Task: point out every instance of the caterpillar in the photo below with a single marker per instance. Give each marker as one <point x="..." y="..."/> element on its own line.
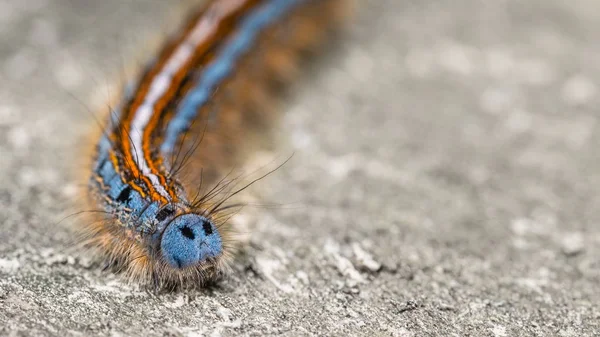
<point x="192" y="110"/>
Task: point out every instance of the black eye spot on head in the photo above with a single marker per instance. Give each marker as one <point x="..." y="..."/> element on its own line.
<point x="187" y="232"/>
<point x="164" y="213"/>
<point x="207" y="228"/>
<point x="124" y="195"/>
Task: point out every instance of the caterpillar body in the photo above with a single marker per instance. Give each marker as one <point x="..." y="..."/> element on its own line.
<point x="189" y="111"/>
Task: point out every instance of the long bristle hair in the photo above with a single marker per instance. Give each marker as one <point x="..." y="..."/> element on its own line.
<point x="242" y="109"/>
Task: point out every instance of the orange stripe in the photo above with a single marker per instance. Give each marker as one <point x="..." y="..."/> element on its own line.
<point x="225" y="27"/>
<point x="120" y="132"/>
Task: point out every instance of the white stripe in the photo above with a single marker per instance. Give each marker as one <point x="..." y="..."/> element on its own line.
<point x="161" y="83"/>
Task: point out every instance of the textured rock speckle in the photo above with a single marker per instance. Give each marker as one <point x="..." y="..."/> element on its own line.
<point x="444" y="182"/>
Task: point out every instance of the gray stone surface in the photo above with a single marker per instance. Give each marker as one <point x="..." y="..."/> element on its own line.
<point x="445" y="178"/>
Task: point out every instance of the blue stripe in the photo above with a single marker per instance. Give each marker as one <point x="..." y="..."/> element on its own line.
<point x="136" y="212"/>
<point x="216" y="72"/>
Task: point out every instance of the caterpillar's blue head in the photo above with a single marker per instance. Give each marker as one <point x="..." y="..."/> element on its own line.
<point x="190" y="239"/>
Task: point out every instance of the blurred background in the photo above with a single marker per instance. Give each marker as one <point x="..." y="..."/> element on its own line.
<point x="445" y="177"/>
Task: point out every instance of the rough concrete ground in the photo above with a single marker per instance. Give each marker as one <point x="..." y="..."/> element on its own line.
<point x="445" y="179"/>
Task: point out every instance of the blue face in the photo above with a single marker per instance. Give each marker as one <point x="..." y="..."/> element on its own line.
<point x="190" y="239"/>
